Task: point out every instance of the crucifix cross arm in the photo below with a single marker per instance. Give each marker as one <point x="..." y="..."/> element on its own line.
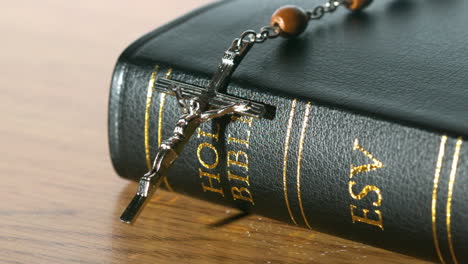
<point x="187" y="91"/>
<point x="238" y="109"/>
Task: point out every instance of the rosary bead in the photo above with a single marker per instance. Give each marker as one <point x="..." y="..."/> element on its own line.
<point x="291" y="20"/>
<point x="356" y="5"/>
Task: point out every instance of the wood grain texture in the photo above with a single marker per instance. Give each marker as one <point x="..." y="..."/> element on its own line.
<point x="59" y="196"/>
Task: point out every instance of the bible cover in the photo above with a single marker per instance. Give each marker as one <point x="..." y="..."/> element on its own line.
<point x="367" y="138"/>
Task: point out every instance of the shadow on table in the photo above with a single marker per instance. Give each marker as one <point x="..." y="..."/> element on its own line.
<point x="178" y="229"/>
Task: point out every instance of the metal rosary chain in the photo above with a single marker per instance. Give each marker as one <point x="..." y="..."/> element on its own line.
<point x="270" y="32"/>
<point x="265" y="33"/>
<point x="329" y="7"/>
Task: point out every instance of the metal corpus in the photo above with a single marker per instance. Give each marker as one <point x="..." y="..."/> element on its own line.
<point x="197" y="105"/>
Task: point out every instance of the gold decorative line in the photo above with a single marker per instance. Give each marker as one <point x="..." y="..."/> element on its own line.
<point x="299" y="160"/>
<point x="440" y="158"/>
<point x="453" y="175"/>
<point x="162" y="103"/>
<point x="168" y="74"/>
<point x="285" y="159"/>
<point x="149" y="96"/>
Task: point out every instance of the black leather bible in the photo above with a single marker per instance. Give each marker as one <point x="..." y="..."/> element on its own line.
<point x="367" y="138"/>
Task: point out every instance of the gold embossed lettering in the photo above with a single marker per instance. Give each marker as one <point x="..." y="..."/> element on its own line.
<point x="239" y="178"/>
<point x="245" y="142"/>
<point x="243" y="119"/>
<point x="377" y="164"/>
<point x="202" y="133"/>
<point x="237" y="155"/>
<point x="209" y="146"/>
<point x="211" y="178"/>
<point x="242" y="194"/>
<point x="365" y="219"/>
<point x="364" y="192"/>
<point x="239" y="158"/>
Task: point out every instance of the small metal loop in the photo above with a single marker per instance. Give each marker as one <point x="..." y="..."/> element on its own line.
<point x="254" y="37"/>
<point x="249" y="33"/>
<point x="263" y="35"/>
<point x="317" y="13"/>
<point x="273" y="32"/>
<point x="260" y="38"/>
<point x="329" y="7"/>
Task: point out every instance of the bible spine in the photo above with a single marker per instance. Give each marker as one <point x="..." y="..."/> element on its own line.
<point x="348" y="174"/>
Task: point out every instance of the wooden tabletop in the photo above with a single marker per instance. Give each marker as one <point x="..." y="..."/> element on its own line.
<point x="59" y="196"/>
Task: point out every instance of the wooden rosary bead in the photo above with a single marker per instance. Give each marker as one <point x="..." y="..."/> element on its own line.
<point x="356" y="5"/>
<point x="291" y="20"/>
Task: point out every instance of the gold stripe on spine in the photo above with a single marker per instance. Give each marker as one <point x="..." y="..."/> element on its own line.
<point x="168" y="74"/>
<point x="299" y="160"/>
<point x="443" y="141"/>
<point x="453" y="175"/>
<point x="149" y="96"/>
<point x="162" y="103"/>
<point x="285" y="159"/>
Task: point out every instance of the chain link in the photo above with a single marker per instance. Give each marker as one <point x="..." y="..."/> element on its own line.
<point x="270" y="32"/>
<point x="251" y="36"/>
<point x="329" y="7"/>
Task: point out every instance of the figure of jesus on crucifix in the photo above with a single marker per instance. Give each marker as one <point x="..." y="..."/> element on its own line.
<point x="192" y="115"/>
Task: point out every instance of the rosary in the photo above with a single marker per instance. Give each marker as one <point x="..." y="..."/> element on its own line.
<point x="201" y="104"/>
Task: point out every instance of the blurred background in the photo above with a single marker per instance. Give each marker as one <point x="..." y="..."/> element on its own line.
<point x="59" y="196"/>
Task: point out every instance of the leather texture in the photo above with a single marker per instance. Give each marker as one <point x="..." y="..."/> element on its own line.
<point x="401" y="60"/>
<point x="392" y="78"/>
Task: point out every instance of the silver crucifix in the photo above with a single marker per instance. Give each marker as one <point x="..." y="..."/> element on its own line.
<point x="197" y="105"/>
